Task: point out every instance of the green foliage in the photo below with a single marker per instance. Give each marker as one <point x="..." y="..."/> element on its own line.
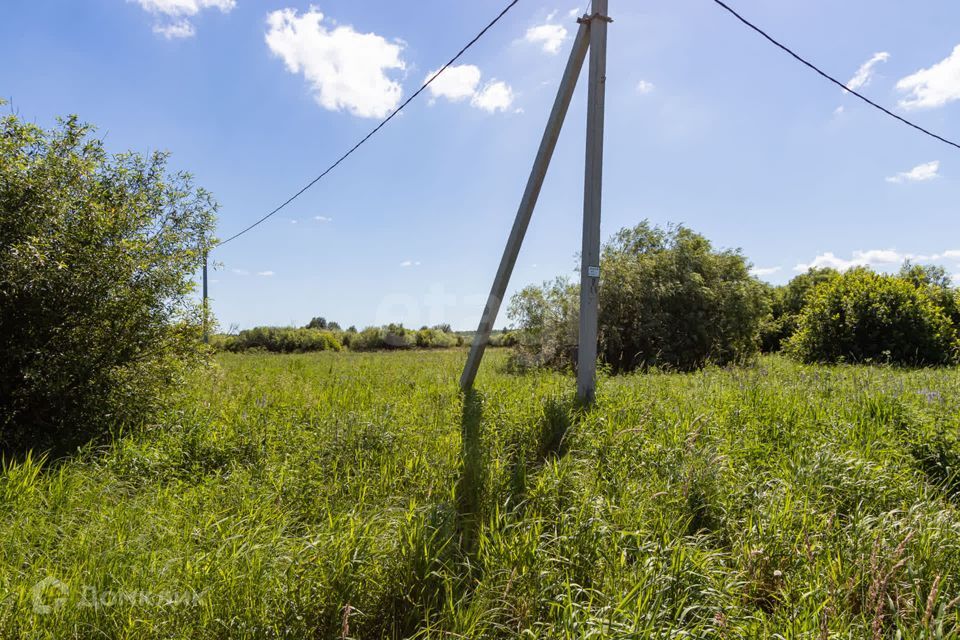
<point x="284" y="340"/>
<point x="317" y="496"/>
<point x="786" y="304"/>
<point x="317" y="323"/>
<point x="546" y="318"/>
<point x="863" y="316"/>
<point x="395" y="336"/>
<point x="97" y="254"/>
<point x="668" y="299"/>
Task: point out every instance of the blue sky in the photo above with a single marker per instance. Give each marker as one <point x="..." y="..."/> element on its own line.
<point x="707" y="125"/>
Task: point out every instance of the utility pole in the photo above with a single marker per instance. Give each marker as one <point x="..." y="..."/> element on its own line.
<point x="527" y="204"/>
<point x="592" y="196"/>
<point x="591" y="36"/>
<point x="206" y="330"/>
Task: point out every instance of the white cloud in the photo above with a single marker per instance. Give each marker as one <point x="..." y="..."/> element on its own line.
<point x="549" y="36"/>
<point x="461" y="82"/>
<point x="265" y="274"/>
<point x="241" y="272"/>
<point x="178" y="11"/>
<point x="322" y="219"/>
<point x="495" y="96"/>
<point x="765" y="271"/>
<point x="346" y="69"/>
<point x="410" y="263"/>
<point x="865" y="73"/>
<point x="644" y="87"/>
<point x="179" y="29"/>
<point x="574" y="13"/>
<point x="920" y="173"/>
<point x="933" y="87"/>
<point x="185" y="7"/>
<point x="882" y="258"/>
<point x="838" y="111"/>
<point x="456" y="83"/>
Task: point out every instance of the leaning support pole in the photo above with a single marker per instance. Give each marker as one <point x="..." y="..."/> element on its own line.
<point x="593" y="183"/>
<point x="527" y="204"/>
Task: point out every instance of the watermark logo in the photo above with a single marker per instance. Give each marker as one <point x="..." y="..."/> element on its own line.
<point x="49" y="594"/>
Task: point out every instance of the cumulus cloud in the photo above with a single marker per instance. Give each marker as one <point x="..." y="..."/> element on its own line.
<point x="920" y="173"/>
<point x="878" y="258"/>
<point x="865" y="73"/>
<point x="345" y="69"/>
<point x="456" y="83"/>
<point x="174" y="14"/>
<point x="495" y="96"/>
<point x="764" y="271"/>
<point x="644" y="87"/>
<point x="548" y="36"/>
<point x="933" y="87"/>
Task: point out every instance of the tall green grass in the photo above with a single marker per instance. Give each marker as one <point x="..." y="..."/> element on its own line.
<point x="359" y="496"/>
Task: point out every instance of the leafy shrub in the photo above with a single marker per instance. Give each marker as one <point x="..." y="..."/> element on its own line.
<point x="285" y="340"/>
<point x="864" y="316"/>
<point x="395" y="336"/>
<point x="97" y="254"/>
<point x="787" y="303"/>
<point x="668" y="299"/>
<point x="548" y="323"/>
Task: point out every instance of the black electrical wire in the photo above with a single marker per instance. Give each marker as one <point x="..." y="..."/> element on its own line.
<point x="834" y="80"/>
<point x="377" y="128"/>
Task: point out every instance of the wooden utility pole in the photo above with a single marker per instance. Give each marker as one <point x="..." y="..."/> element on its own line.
<point x="591" y="36"/>
<point x="527" y="204"/>
<point x="592" y="191"/>
<point x="206" y="330"/>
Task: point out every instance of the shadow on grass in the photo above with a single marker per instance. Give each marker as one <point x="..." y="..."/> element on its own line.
<point x="469" y="491"/>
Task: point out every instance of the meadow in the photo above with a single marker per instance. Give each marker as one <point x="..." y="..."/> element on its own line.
<point x="359" y="495"/>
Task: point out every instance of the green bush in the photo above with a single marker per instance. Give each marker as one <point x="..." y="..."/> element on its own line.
<point x="284" y="340"/>
<point x="787" y="303"/>
<point x="546" y="318"/>
<point x="97" y="256"/>
<point x="668" y="299"/>
<point x="863" y="316"/>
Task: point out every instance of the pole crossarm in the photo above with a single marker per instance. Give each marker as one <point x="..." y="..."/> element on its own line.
<point x="527" y="204"/>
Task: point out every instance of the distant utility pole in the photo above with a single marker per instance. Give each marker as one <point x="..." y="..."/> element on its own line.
<point x="591" y="36"/>
<point x="206" y="330"/>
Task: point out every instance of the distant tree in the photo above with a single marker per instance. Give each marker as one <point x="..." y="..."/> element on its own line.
<point x="317" y="323"/>
<point x="668" y="298"/>
<point x="546" y="318"/>
<point x="443" y="328"/>
<point x="333" y="326"/>
<point x="97" y="256"/>
<point x="787" y="302"/>
<point x="864" y="316"/>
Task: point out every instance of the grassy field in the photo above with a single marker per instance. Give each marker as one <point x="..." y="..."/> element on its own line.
<point x="357" y="495"/>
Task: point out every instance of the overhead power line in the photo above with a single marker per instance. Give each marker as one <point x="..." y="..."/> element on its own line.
<point x="378" y="127"/>
<point x="832" y="79"/>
